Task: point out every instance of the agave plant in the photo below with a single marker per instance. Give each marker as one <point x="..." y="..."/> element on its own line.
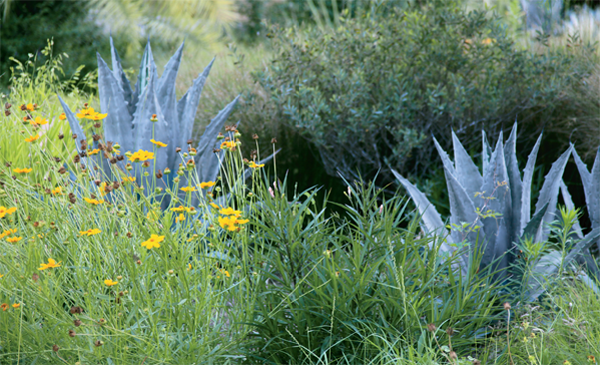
<point x="490" y="212"/>
<point x="152" y="112"/>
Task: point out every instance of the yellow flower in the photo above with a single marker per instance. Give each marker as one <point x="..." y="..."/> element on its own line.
<point x="51" y="264"/>
<point x="4" y="211"/>
<point x="230" y="211"/>
<point x="254" y="165"/>
<point x="230" y="223"/>
<point x="16" y="305"/>
<point x="181" y="218"/>
<point x="93" y="201"/>
<point x="128" y="179"/>
<point x="181" y="208"/>
<point x="1" y="276"/>
<point x="90" y="113"/>
<point x="30" y="107"/>
<point x="224" y="272"/>
<point x="39" y="121"/>
<point x="22" y="171"/>
<point x="32" y="138"/>
<point x="215" y="206"/>
<point x="4" y="307"/>
<point x="97" y="116"/>
<point x="487" y="41"/>
<point x="228" y="145"/>
<point x="141" y="156"/>
<point x="102" y="188"/>
<point x="153" y="241"/>
<point x="158" y="143"/>
<point x="208" y="184"/>
<point x="109" y="282"/>
<point x="188" y="189"/>
<point x="8" y="233"/>
<point x="93" y="152"/>
<point x="188" y="269"/>
<point x="63" y="116"/>
<point x="57" y="191"/>
<point x="13" y="239"/>
<point x="90" y="232"/>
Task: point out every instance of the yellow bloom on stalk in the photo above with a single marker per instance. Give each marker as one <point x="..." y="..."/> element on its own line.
<point x="16" y="305"/>
<point x="51" y="264"/>
<point x="97" y="116"/>
<point x="93" y="201"/>
<point x="230" y="223"/>
<point x="13" y="239"/>
<point x="128" y="179"/>
<point x="141" y="156"/>
<point x="39" y="121"/>
<point x="22" y="171"/>
<point x="109" y="282"/>
<point x="230" y="211"/>
<point x="180" y="218"/>
<point x="208" y="184"/>
<point x="158" y="143"/>
<point x="8" y="233"/>
<point x="102" y="188"/>
<point x="4" y="307"/>
<point x="4" y="211"/>
<point x="224" y="272"/>
<point x="254" y="165"/>
<point x="32" y="138"/>
<point x="181" y="208"/>
<point x="90" y="232"/>
<point x="63" y="116"/>
<point x="153" y="241"/>
<point x="93" y="152"/>
<point x="228" y="145"/>
<point x="215" y="206"/>
<point x="188" y="189"/>
<point x="57" y="191"/>
<point x="30" y="107"/>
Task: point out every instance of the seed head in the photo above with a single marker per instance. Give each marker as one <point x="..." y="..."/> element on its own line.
<point x="72" y="333"/>
<point x="507" y="306"/>
<point x="55" y="348"/>
<point x="431" y="327"/>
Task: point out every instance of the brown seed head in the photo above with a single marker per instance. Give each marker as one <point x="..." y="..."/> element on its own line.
<point x="178" y="149"/>
<point x="55" y="348"/>
<point x="452" y="355"/>
<point x="23" y="107"/>
<point x="120" y="158"/>
<point x="76" y="159"/>
<point x="7" y="106"/>
<point x="450" y="331"/>
<point x="507" y="306"/>
<point x="76" y="310"/>
<point x="98" y="343"/>
<point x="113" y="160"/>
<point x="116" y="185"/>
<point x="159" y="174"/>
<point x="431" y="327"/>
<point x="77" y="323"/>
<point x="273" y="140"/>
<point x="255" y="136"/>
<point x="74" y="136"/>
<point x="72" y="333"/>
<point x="7" y="112"/>
<point x="129" y="234"/>
<point x="35" y="277"/>
<point x="189" y="141"/>
<point x="97" y="125"/>
<point x="476" y="362"/>
<point x="96" y="137"/>
<point x="61" y="136"/>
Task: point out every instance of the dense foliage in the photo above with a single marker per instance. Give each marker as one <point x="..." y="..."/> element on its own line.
<point x="370" y="94"/>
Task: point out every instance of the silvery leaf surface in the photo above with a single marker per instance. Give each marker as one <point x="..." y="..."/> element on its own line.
<point x="118" y="122"/>
<point x="122" y="79"/>
<point x="533" y="226"/>
<point x="165" y="93"/>
<point x="549" y="193"/>
<point x="591" y="186"/>
<point x="549" y="264"/>
<point x="147" y="69"/>
<point x="188" y="105"/>
<point x="486" y="152"/>
<point x="526" y="186"/>
<point x="448" y="165"/>
<point x="496" y="189"/>
<point x="73" y="123"/>
<point x="467" y="172"/>
<point x="514" y="183"/>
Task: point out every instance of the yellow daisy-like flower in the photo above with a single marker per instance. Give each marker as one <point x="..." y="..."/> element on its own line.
<point x="153" y="241"/>
<point x="254" y="165"/>
<point x="8" y="233"/>
<point x="39" y="121"/>
<point x="208" y="184"/>
<point x="141" y="156"/>
<point x="128" y="179"/>
<point x="188" y="189"/>
<point x="180" y="218"/>
<point x="230" y="211"/>
<point x="4" y="307"/>
<point x="4" y="211"/>
<point x="57" y="191"/>
<point x="51" y="264"/>
<point x="16" y="305"/>
<point x="90" y="232"/>
<point x="93" y="152"/>
<point x="110" y="282"/>
<point x="13" y="239"/>
<point x="230" y="223"/>
<point x="228" y="145"/>
<point x="93" y="201"/>
<point x="97" y="116"/>
<point x="32" y="138"/>
<point x="215" y="206"/>
<point x="22" y="171"/>
<point x="63" y="116"/>
<point x="30" y="107"/>
<point x="181" y="208"/>
<point x="158" y="143"/>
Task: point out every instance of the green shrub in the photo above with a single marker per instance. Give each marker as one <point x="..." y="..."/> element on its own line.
<point x="370" y="94"/>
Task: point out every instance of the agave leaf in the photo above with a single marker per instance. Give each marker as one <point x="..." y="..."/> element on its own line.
<point x="533" y="225"/>
<point x="467" y="172"/>
<point x="570" y="206"/>
<point x="591" y="187"/>
<point x="117" y="125"/>
<point x="73" y="123"/>
<point x="145" y="130"/>
<point x="448" y="165"/>
<point x="209" y="138"/>
<point x="486" y="151"/>
<point x="550" y="263"/>
<point x="514" y="183"/>
<point x="122" y="79"/>
<point x="526" y="186"/>
<point x="496" y="189"/>
<point x="165" y="93"/>
<point x="188" y="105"/>
<point x="549" y="193"/>
<point x="147" y="69"/>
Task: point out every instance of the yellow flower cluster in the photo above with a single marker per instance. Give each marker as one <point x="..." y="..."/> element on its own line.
<point x="228" y="145"/>
<point x="230" y="219"/>
<point x="8" y="233"/>
<point x="22" y="171"/>
<point x="141" y="156"/>
<point x="158" y="143"/>
<point x="4" y="211"/>
<point x="93" y="201"/>
<point x="89" y="232"/>
<point x="90" y="113"/>
<point x="32" y="138"/>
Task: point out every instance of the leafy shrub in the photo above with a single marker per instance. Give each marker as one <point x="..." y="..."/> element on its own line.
<point x="371" y="93"/>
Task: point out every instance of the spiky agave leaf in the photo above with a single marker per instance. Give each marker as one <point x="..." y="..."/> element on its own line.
<point x="591" y="188"/>
<point x="549" y="193"/>
<point x="467" y="172"/>
<point x="526" y="187"/>
<point x="165" y="94"/>
<point x="514" y="183"/>
<point x="486" y="151"/>
<point x="147" y="68"/>
<point x="128" y="94"/>
<point x="73" y="123"/>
